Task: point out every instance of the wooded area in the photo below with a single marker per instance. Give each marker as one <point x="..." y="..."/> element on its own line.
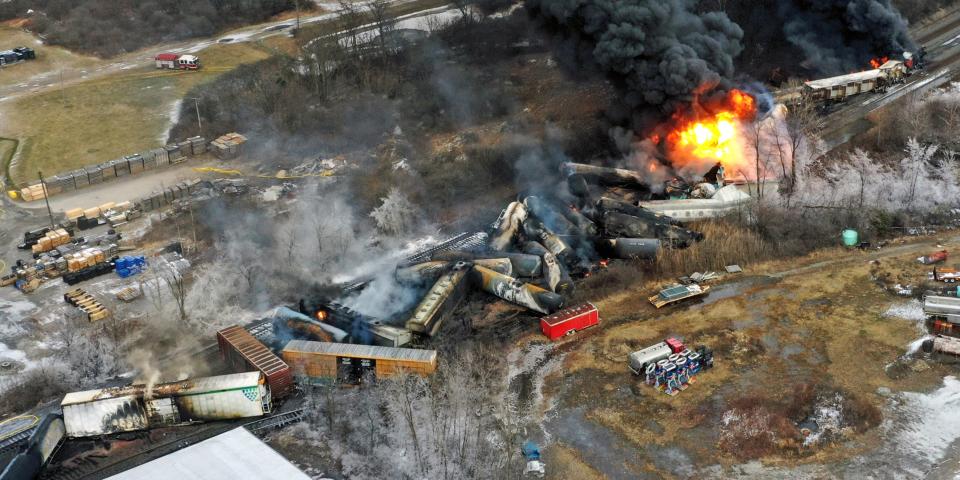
<point x="110" y="27"/>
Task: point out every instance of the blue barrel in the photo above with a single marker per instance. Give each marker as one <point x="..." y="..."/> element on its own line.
<point x="850" y="237"/>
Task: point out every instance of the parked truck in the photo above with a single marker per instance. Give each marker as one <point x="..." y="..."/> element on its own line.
<point x="946" y="275"/>
<point x="944" y="308"/>
<point x="175" y="61"/>
<point x="16" y="55"/>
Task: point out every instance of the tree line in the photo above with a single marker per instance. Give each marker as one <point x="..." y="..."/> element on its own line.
<point x="110" y="27"/>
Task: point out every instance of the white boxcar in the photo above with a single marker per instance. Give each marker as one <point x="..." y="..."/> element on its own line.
<point x="124" y="409"/>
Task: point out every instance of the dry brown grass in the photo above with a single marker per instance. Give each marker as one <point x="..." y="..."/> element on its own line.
<point x="724" y="244"/>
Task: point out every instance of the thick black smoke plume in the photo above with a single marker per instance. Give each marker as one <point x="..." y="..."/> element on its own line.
<point x="838" y="36"/>
<point x="660" y="53"/>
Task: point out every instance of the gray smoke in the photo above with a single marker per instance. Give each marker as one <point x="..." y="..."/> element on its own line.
<point x="660" y="53"/>
<point x="838" y="36"/>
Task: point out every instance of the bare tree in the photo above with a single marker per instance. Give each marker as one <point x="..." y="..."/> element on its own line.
<point x="396" y="214"/>
<point x="861" y="163"/>
<point x="178" y="290"/>
<point x="383" y="21"/>
<point x="466" y="11"/>
<point x="351" y="19"/>
<point x="918" y="157"/>
<point x="802" y="127"/>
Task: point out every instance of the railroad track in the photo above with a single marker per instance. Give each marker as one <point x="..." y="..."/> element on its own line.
<point x="16" y="441"/>
<point x="273" y="422"/>
<point x="90" y="468"/>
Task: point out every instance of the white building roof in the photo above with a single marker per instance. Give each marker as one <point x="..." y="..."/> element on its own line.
<point x="845" y="79"/>
<point x="234" y="455"/>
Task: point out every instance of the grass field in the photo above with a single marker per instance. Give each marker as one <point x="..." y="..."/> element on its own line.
<point x="49" y="59"/>
<point x="109" y="116"/>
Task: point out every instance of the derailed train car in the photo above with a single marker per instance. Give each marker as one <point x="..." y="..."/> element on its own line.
<point x="840" y="88"/>
<point x="324" y="362"/>
<point x="39" y="449"/>
<point x="137" y="407"/>
<point x="243" y="352"/>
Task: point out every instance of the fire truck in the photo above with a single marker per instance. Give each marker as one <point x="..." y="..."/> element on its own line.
<point x="177" y="62"/>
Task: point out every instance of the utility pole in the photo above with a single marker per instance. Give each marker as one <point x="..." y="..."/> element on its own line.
<point x="296" y="4"/>
<point x="46" y="199"/>
<point x="196" y="104"/>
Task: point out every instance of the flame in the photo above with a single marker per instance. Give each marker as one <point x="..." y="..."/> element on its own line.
<point x="876" y="62"/>
<point x="322" y="315"/>
<point x="714" y="137"/>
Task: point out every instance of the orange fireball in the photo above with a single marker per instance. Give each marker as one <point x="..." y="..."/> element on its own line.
<point x="713" y="137"/>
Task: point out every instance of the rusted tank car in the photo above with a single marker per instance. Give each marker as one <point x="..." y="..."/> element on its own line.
<point x="439" y="302"/>
<point x="244" y="353"/>
<point x="137" y="407"/>
<point x="325" y="362"/>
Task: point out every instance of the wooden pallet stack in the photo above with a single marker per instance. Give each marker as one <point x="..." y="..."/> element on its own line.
<point x="228" y="146"/>
<point x="51" y="240"/>
<point x="129" y="294"/>
<point x="89" y="305"/>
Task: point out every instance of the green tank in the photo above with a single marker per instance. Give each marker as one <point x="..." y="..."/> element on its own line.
<point x="850" y="238"/>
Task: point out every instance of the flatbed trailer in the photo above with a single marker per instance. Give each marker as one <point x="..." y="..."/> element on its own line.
<point x="677" y="293"/>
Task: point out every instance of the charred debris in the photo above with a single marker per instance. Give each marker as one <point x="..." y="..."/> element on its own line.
<point x="531" y="257"/>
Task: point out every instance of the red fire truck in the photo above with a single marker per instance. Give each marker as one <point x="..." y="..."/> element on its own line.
<point x="570" y="320"/>
<point x="174" y="61"/>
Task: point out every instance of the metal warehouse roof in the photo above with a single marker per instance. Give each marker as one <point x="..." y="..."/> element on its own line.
<point x="845" y="79"/>
<point x="364" y="351"/>
<point x="234" y="455"/>
<point x="185" y="387"/>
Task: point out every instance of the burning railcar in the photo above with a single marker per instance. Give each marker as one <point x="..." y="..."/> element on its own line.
<point x="137" y="407"/>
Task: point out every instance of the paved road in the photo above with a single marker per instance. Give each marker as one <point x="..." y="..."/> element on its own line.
<point x="68" y="76"/>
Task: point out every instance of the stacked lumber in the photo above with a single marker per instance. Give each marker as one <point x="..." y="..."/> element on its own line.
<point x="89" y="305"/>
<point x="129" y="294"/>
<point x="33" y="192"/>
<point x="228" y="146"/>
<point x="87" y="257"/>
<point x="51" y="240"/>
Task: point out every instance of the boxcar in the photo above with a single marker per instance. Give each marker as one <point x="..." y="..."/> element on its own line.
<point x="348" y="363"/>
<point x="243" y="352"/>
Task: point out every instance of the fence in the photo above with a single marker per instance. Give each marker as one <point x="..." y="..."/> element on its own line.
<point x="113" y="169"/>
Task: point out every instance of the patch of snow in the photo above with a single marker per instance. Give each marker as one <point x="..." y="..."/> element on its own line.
<point x="912" y="310"/>
<point x="828" y="415"/>
<point x="174" y="114"/>
<point x="931" y="421"/>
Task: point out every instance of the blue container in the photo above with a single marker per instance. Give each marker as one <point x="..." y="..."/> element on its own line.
<point x="129" y="266"/>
